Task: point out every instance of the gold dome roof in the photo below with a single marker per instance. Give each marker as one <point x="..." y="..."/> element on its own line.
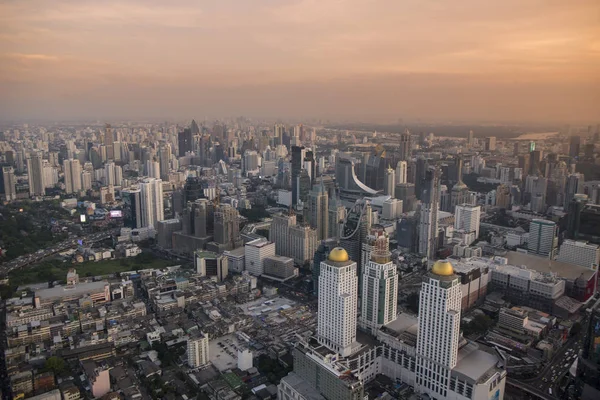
<point x="443" y="268"/>
<point x="338" y="255"/>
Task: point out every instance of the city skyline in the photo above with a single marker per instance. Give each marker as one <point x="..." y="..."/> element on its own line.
<point x="372" y="61"/>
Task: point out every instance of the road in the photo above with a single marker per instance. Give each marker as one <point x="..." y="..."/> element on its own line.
<point x="40" y="255"/>
<point x="550" y="375"/>
<point x="530" y="390"/>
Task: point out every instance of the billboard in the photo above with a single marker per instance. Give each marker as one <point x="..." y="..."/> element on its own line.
<point x="82" y="218"/>
<point x="116" y="214"/>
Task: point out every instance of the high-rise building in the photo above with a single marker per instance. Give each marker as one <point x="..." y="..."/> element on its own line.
<point x="428" y="214"/>
<point x="587" y="378"/>
<point x="279" y="233"/>
<point x="389" y="182"/>
<point x="132" y="207"/>
<point x="227" y="227"/>
<point x="579" y="253"/>
<point x="8" y="178"/>
<point x="490" y="143"/>
<point x="573" y="185"/>
<point x="575" y="208"/>
<point x="467" y="218"/>
<point x="543" y="237"/>
<point x="256" y="251"/>
<point x="164" y="156"/>
<point x="211" y="264"/>
<point x="251" y="161"/>
<point x="379" y="296"/>
<point x="152" y="169"/>
<point x="404" y="148"/>
<point x="470" y="139"/>
<point x="318" y="211"/>
<point x="535" y="162"/>
<point x="165" y="230"/>
<point x="72" y="170"/>
<point x="185" y="141"/>
<point x="197" y="350"/>
<point x="377" y="239"/>
<point x="401" y="171"/>
<point x="151" y="202"/>
<point x="338" y="297"/>
<point x="439" y="331"/>
<point x="109" y="139"/>
<point x="574" y="146"/>
<point x="303" y="243"/>
<point x="86" y="180"/>
<point x="35" y="170"/>
<point x="109" y="173"/>
<point x="321" y="254"/>
<point x="503" y="196"/>
<point x="336" y="215"/>
<point x="298" y="154"/>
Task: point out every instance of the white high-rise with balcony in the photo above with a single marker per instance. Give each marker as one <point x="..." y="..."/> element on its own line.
<point x="467" y="218"/>
<point x="338" y="297"/>
<point x="543" y="237"/>
<point x="579" y="253"/>
<point x="197" y="350"/>
<point x="439" y="330"/>
<point x="379" y="300"/>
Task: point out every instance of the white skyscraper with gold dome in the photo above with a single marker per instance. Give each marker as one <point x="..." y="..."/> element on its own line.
<point x="338" y="297"/>
<point x="439" y="329"/>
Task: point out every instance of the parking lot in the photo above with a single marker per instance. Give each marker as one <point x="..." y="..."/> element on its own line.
<point x="223" y="352"/>
<point x="264" y="307"/>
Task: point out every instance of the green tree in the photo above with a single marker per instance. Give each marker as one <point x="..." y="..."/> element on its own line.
<point x="55" y="364"/>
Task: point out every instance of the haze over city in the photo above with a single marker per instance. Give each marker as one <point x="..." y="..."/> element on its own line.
<point x="534" y="61"/>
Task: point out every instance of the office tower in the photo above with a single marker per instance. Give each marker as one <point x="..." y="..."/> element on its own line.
<point x="185" y="141"/>
<point x="516" y="149"/>
<point x="404" y="148"/>
<point x="575" y="208"/>
<point x="164" y="156"/>
<point x="303" y="243"/>
<point x="574" y="146"/>
<point x="374" y="167"/>
<point x="50" y="174"/>
<point x="401" y="170"/>
<point x="109" y="173"/>
<point x="587" y="381"/>
<point x="165" y="230"/>
<point x="490" y="143"/>
<point x="86" y="180"/>
<point x="279" y="233"/>
<point x="321" y="254"/>
<point x="109" y="139"/>
<point x="338" y="296"/>
<point x="503" y="196"/>
<point x="579" y="253"/>
<point x="194" y="128"/>
<point x="421" y="171"/>
<point x="405" y="192"/>
<point x="588" y="152"/>
<point x="379" y="292"/>
<point x="336" y="215"/>
<point x="304" y="185"/>
<point x="389" y="182"/>
<point x="8" y="178"/>
<point x="132" y="207"/>
<point x="153" y="169"/>
<point x="535" y="161"/>
<point x="227" y="226"/>
<point x="152" y="202"/>
<point x="428" y="214"/>
<point x="543" y="238"/>
<point x="439" y="330"/>
<point x="470" y="139"/>
<point x="250" y="162"/>
<point x="376" y="239"/>
<point x="203" y="146"/>
<point x="118" y="151"/>
<point x="298" y="154"/>
<point x="35" y="170"/>
<point x="318" y="210"/>
<point x="467" y="218"/>
<point x="198" y="218"/>
<point x="197" y="350"/>
<point x="536" y="186"/>
<point x="72" y="170"/>
<point x="256" y="251"/>
<point x="573" y="185"/>
<point x="211" y="264"/>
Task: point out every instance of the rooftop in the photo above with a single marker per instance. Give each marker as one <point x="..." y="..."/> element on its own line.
<point x="474" y="363"/>
<point x="79" y="289"/>
<point x="546" y="265"/>
<point x="305" y="389"/>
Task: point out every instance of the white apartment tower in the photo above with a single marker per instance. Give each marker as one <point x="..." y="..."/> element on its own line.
<point x="279" y="233"/>
<point x="543" y="237"/>
<point x="338" y="296"/>
<point x="72" y="170"/>
<point x="197" y="349"/>
<point x="379" y="299"/>
<point x="401" y="171"/>
<point x="35" y="170"/>
<point x="153" y="169"/>
<point x="467" y="218"/>
<point x="389" y="181"/>
<point x="579" y="253"/>
<point x="256" y="251"/>
<point x="10" y="188"/>
<point x="439" y="330"/>
<point x="151" y="201"/>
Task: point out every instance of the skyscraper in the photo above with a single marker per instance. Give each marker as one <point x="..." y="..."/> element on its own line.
<point x="72" y="170"/>
<point x="164" y="153"/>
<point x="132" y="207"/>
<point x="336" y="215"/>
<point x="318" y="208"/>
<point x="153" y="169"/>
<point x="389" y="183"/>
<point x="587" y="383"/>
<point x="543" y="237"/>
<point x="8" y="178"/>
<point x="338" y="296"/>
<point x="428" y="214"/>
<point x="197" y="350"/>
<point x="401" y="171"/>
<point x="298" y="154"/>
<point x="470" y="139"/>
<point x="256" y="251"/>
<point x="35" y="170"/>
<point x="109" y="139"/>
<point x="490" y="143"/>
<point x="574" y="185"/>
<point x="404" y="148"/>
<point x="151" y="202"/>
<point x="279" y="233"/>
<point x="303" y="243"/>
<point x="439" y="330"/>
<point x="227" y="227"/>
<point x="379" y="290"/>
<point x="467" y="218"/>
<point x="185" y="141"/>
<point x="574" y="146"/>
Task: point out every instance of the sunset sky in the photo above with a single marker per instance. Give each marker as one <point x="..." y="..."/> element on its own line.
<point x="377" y="60"/>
